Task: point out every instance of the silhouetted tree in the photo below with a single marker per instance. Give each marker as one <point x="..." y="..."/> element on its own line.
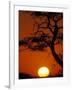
<point x="53" y="36"/>
<point x="47" y="32"/>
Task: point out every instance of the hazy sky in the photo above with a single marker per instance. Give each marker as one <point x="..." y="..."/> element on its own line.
<point x="30" y="61"/>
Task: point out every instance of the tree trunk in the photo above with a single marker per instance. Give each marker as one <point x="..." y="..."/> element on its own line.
<point x="58" y="60"/>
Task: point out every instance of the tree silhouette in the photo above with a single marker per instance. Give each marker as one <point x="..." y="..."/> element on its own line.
<point x="47" y="32"/>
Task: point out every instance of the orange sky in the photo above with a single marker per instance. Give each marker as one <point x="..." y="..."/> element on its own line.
<point x="30" y="61"/>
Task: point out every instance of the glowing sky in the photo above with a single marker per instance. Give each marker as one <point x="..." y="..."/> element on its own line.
<point x="30" y="61"/>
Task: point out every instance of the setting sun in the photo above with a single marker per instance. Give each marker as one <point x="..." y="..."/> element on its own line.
<point x="40" y="44"/>
<point x="43" y="72"/>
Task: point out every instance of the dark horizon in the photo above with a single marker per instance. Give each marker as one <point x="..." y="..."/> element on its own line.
<point x="40" y="43"/>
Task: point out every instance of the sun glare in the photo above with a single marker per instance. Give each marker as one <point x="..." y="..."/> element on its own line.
<point x="43" y="72"/>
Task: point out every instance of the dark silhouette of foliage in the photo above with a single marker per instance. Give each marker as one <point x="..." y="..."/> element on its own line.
<point x="29" y="76"/>
<point x="25" y="76"/>
<point x="40" y="39"/>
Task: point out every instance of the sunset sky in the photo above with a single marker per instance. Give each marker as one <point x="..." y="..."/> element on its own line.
<point x="30" y="61"/>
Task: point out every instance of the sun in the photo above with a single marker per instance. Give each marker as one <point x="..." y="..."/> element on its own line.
<point x="43" y="72"/>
